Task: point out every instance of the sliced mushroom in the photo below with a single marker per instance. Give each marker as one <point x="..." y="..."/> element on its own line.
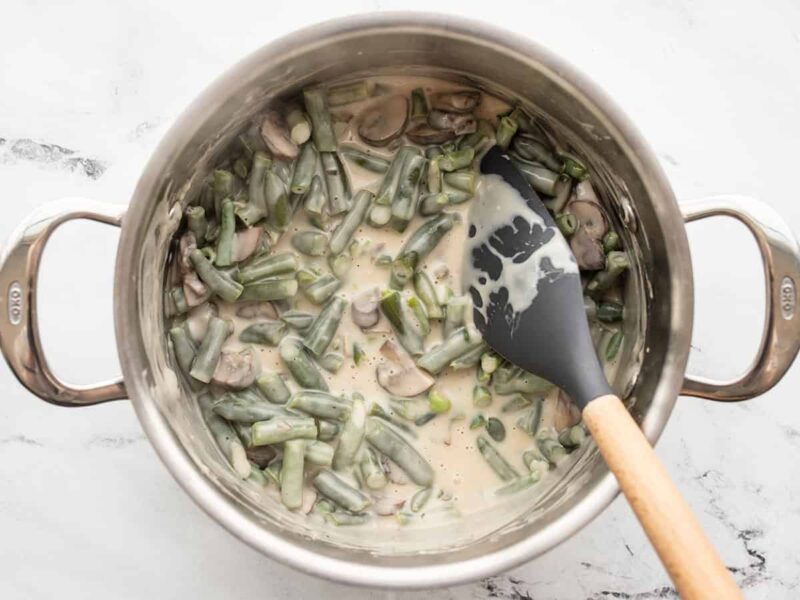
<point x="587" y="250"/>
<point x="566" y="414"/>
<point x="197" y="320"/>
<point x="364" y="308"/>
<point x="459" y="123"/>
<point x="399" y="375"/>
<point x="385" y="121"/>
<point x="258" y="310"/>
<point x="591" y="218"/>
<point x="460" y="102"/>
<point x="585" y="191"/>
<point x="423" y="134"/>
<point x="195" y="291"/>
<point x="186" y="244"/>
<point x="237" y="370"/>
<point x="246" y="242"/>
<point x="276" y="136"/>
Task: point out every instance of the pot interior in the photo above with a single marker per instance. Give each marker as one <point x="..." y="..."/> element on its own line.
<point x="636" y="198"/>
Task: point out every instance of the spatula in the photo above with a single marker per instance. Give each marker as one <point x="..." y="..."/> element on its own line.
<point x="529" y="307"/>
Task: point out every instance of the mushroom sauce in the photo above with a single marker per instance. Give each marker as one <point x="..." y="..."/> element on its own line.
<point x="316" y="312"/>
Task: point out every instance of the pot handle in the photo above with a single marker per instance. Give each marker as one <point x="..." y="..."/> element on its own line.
<point x="19" y="327"/>
<point x="780" y="340"/>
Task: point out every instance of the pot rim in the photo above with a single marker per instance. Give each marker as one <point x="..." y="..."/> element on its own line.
<point x="237" y="519"/>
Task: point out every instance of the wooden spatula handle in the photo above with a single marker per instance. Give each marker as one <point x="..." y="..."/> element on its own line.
<point x="688" y="556"/>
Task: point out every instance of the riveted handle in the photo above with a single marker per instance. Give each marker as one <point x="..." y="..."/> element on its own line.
<point x="780" y="340"/>
<point x="19" y="327"/>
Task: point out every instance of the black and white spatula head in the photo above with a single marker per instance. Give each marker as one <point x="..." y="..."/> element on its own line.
<point x="525" y="285"/>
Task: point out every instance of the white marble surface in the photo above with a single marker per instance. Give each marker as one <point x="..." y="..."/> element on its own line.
<point x="86" y="509"/>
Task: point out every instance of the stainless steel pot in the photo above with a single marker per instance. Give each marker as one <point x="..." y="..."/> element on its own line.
<point x="628" y="176"/>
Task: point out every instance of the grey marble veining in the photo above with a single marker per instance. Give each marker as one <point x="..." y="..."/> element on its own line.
<point x="86" y="508"/>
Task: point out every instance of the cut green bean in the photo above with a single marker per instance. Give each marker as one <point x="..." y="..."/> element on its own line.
<point x="336" y="182"/>
<point x="519" y="484"/>
<point x="319" y="453"/>
<point x="458" y="343"/>
<point x="573" y="166"/>
<point x="247" y="406"/>
<point x="379" y="215"/>
<point x="531" y="420"/>
<point x="530" y="148"/>
<point x="477" y="422"/>
<point x="297" y="319"/>
<point x="495" y="460"/>
<point x="225" y="436"/>
<point x="278" y="204"/>
<point x="567" y="223"/>
<point x="197" y="223"/>
<point x="323" y="288"/>
<point x="419" y="103"/>
<point x="320" y="404"/>
<point x="348" y="93"/>
<point x="409" y="337"/>
<point x="257" y="476"/>
<point x="270" y="265"/>
<point x="611" y="241"/>
<point x="340" y="264"/>
<point x="358" y="353"/>
<point x="273" y="387"/>
<point x="404" y="203"/>
<point x="370" y="162"/>
<point x="315" y="204"/>
<point x="226" y="185"/>
<point x="273" y="472"/>
<point x="516" y="403"/>
<point x="227" y="230"/>
<point x="572" y="437"/>
<point x="425" y="418"/>
<point x="420" y="314"/>
<point x="614" y="344"/>
<point x="310" y="242"/>
<point x="267" y="333"/>
<point x="490" y="362"/>
<point x="424" y="288"/>
<point x="464" y="181"/>
<point x="352" y="435"/>
<point x="217" y="281"/>
<point x="304" y="170"/>
<point x="292" y="474"/>
<point x="433" y="204"/>
<point x="510" y="380"/>
<point x="281" y="429"/>
<point x="609" y="312"/>
<point x="391" y="181"/>
<point x="456" y="197"/>
<point x="341" y="236"/>
<point x="616" y="264"/>
<point x="427" y="237"/>
<point x="402" y="270"/>
<point x="183" y="347"/>
<point x="391" y="444"/>
<point x="298" y="125"/>
<point x="481" y="396"/>
<point x="434" y="176"/>
<point x="335" y="488"/>
<point x="551" y="450"/>
<point x="457" y="159"/>
<point x="371" y="470"/>
<point x="395" y="421"/>
<point x="205" y="362"/>
<point x="495" y="429"/>
<point x="300" y="365"/>
<point x="331" y="361"/>
<point x="321" y="125"/>
<point x="506" y="130"/>
<point x="277" y="288"/>
<point x="327" y="430"/>
<point x="179" y="300"/>
<point x="469" y="359"/>
<point x="438" y="402"/>
<point x="540" y="178"/>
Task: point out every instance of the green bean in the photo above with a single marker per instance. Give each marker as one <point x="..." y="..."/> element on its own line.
<point x="540" y="178"/>
<point x="308" y="275"/>
<point x="344" y="518"/>
<point x="481" y="396"/>
<point x="225" y="436"/>
<point x="572" y="437"/>
<point x="323" y="288"/>
<point x="419" y="103"/>
<point x="379" y="215"/>
<point x="183" y="347"/>
<point x="391" y="181"/>
<point x="334" y="488"/>
<point x="257" y="476"/>
<point x="292" y="474"/>
<point x="551" y="450"/>
<point x="611" y="241"/>
<point x="358" y="353"/>
<point x="226" y="185"/>
<point x="352" y="434"/>
<point x="477" y="422"/>
<point x="278" y="205"/>
<point x="506" y="130"/>
<point x="434" y="176"/>
<point x="515" y="403"/>
<point x="438" y="402"/>
<point x="217" y="281"/>
<point x="197" y="223"/>
<point x="473" y="140"/>
<point x="427" y="237"/>
<point x="327" y="430"/>
<point x="495" y="429"/>
<point x="227" y="231"/>
<point x="301" y="367"/>
<point x="273" y="472"/>
<point x="530" y="421"/>
<point x="319" y="453"/>
<point x="402" y="270"/>
<point x="297" y="319"/>
<point x="567" y="223"/>
<point x="529" y="148"/>
<point x="321" y="124"/>
<point x="458" y="159"/>
<point x="425" y="418"/>
<point x="371" y="470"/>
<point x="310" y="242"/>
<point x="370" y="162"/>
<point x="519" y="484"/>
<point x="574" y="167"/>
<point x="456" y="197"/>
<point x="409" y="409"/>
<point x="420" y="315"/>
<point x="616" y="264"/>
<point x="179" y="300"/>
<point x="391" y="444"/>
<point x="433" y="204"/>
<point x="510" y="380"/>
<point x="404" y="204"/>
<point x="304" y="170"/>
<point x="247" y="406"/>
<point x="298" y="125"/>
<point x="276" y="288"/>
<point x="393" y="307"/>
<point x="264" y="266"/>
<point x="336" y="182"/>
<point x="240" y="167"/>
<point x="331" y="361"/>
<point x="320" y="404"/>
<point x="562" y="191"/>
<point x="490" y="362"/>
<point x="462" y="180"/>
<point x="348" y="93"/>
<point x="206" y="197"/>
<point x="266" y="333"/>
<point x="340" y="264"/>
<point x="423" y="286"/>
<point x="470" y="359"/>
<point x="273" y="387"/>
<point x="283" y="428"/>
<point x="609" y="312"/>
<point x="614" y="344"/>
<point x="205" y="362"/>
<point x="495" y="460"/>
<point x="458" y="343"/>
<point x="341" y="236"/>
<point x="316" y="203"/>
